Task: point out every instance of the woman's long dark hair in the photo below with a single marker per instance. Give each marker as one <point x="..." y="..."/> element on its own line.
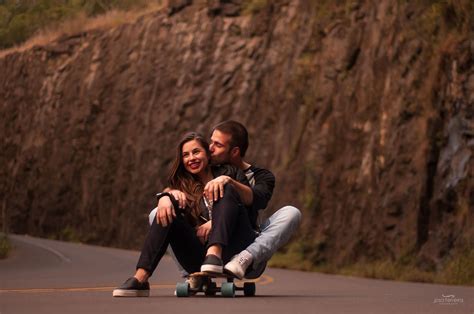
<point x="185" y="181"/>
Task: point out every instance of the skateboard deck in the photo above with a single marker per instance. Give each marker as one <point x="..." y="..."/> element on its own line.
<point x="210" y="287"/>
<point x="204" y="274"/>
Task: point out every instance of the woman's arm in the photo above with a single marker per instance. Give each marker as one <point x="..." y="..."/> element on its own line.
<point x="166" y="210"/>
<point x="179" y="196"/>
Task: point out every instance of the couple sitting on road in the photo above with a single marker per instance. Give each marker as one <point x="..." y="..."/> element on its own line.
<point x="208" y="213"/>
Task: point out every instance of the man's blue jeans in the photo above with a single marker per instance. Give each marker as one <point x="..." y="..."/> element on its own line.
<point x="275" y="232"/>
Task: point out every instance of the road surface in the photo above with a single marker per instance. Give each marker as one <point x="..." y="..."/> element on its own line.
<point x="46" y="276"/>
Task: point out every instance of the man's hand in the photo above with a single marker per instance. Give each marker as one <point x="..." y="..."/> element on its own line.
<point x="203" y="231"/>
<point x="165" y="212"/>
<point x="214" y="189"/>
<point x="179" y="196"/>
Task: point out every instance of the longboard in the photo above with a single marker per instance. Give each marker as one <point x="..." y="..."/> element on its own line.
<point x="211" y="288"/>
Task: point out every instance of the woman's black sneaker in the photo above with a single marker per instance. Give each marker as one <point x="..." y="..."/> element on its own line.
<point x="132" y="288"/>
<point x="212" y="264"/>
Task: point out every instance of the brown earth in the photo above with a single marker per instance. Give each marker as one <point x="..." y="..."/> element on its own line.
<point x="363" y="110"/>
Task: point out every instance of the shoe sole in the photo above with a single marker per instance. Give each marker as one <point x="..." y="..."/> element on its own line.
<point x="130" y="293"/>
<point x="231" y="272"/>
<point x="215" y="269"/>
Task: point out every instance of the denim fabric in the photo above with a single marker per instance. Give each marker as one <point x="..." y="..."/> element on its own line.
<point x="275" y="232"/>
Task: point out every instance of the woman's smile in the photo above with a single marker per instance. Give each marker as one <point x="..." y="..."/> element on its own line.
<point x="194" y="165"/>
<point x="194" y="157"/>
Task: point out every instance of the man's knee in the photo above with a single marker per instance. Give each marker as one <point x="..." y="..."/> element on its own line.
<point x="292" y="215"/>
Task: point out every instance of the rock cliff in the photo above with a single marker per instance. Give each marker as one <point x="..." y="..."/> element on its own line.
<point x="363" y="110"/>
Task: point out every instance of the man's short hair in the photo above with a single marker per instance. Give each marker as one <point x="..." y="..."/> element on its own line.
<point x="238" y="133"/>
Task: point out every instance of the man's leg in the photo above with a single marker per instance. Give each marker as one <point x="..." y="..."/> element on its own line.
<point x="276" y="231"/>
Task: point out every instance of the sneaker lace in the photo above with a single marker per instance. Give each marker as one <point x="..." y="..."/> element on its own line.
<point x="243" y="260"/>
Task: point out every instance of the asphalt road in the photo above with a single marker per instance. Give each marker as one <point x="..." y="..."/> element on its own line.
<point x="45" y="276"/>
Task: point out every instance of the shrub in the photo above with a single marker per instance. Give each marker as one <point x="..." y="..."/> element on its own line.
<point x="4" y="246"/>
<point x="20" y="20"/>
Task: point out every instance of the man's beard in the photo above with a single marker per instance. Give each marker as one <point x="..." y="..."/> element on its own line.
<point x="223" y="160"/>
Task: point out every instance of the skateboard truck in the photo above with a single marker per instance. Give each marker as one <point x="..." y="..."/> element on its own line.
<point x="210" y="287"/>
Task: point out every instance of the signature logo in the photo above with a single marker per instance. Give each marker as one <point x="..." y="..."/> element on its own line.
<point x="449" y="299"/>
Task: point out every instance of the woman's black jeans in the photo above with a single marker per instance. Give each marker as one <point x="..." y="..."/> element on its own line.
<point x="231" y="228"/>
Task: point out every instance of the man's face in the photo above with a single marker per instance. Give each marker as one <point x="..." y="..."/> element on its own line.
<point x="220" y="147"/>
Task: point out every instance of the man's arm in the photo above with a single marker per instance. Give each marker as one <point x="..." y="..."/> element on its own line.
<point x="245" y="192"/>
<point x="264" y="183"/>
<point x="228" y="174"/>
<point x="214" y="189"/>
<point x="263" y="188"/>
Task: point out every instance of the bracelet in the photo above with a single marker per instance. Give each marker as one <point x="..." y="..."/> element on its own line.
<point x="161" y="194"/>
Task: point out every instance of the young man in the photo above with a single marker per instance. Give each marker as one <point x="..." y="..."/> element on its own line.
<point x="228" y="145"/>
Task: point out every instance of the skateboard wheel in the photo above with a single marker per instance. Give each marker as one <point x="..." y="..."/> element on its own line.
<point x="249" y="289"/>
<point x="182" y="289"/>
<point x="228" y="289"/>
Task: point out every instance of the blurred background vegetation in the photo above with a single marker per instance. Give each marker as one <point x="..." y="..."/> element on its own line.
<point x="4" y="245"/>
<point x="20" y="20"/>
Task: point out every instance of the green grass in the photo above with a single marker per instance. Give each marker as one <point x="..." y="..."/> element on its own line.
<point x="291" y="261"/>
<point x="252" y="7"/>
<point x="5" y="246"/>
<point x="388" y="270"/>
<point x="459" y="270"/>
<point x="20" y="20"/>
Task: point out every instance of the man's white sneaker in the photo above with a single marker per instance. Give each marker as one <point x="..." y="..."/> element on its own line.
<point x="238" y="264"/>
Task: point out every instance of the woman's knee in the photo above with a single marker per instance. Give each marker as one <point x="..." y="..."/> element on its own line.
<point x="229" y="190"/>
<point x="231" y="196"/>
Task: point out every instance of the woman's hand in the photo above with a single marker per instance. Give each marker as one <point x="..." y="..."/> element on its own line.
<point x="179" y="196"/>
<point x="203" y="231"/>
<point x="214" y="189"/>
<point x="165" y="211"/>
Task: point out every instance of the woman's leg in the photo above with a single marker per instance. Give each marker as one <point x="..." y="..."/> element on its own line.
<point x="153" y="250"/>
<point x="189" y="251"/>
<point x="187" y="248"/>
<point x="231" y="230"/>
<point x="154" y="247"/>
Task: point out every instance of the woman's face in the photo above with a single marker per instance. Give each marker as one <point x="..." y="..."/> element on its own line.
<point x="194" y="157"/>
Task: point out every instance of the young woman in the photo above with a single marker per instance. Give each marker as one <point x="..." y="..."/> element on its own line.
<point x="231" y="230"/>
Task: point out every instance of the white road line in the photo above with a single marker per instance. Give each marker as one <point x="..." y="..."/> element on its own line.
<point x="44" y="247"/>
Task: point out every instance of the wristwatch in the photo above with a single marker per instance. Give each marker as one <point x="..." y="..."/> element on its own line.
<point x="161" y="194"/>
